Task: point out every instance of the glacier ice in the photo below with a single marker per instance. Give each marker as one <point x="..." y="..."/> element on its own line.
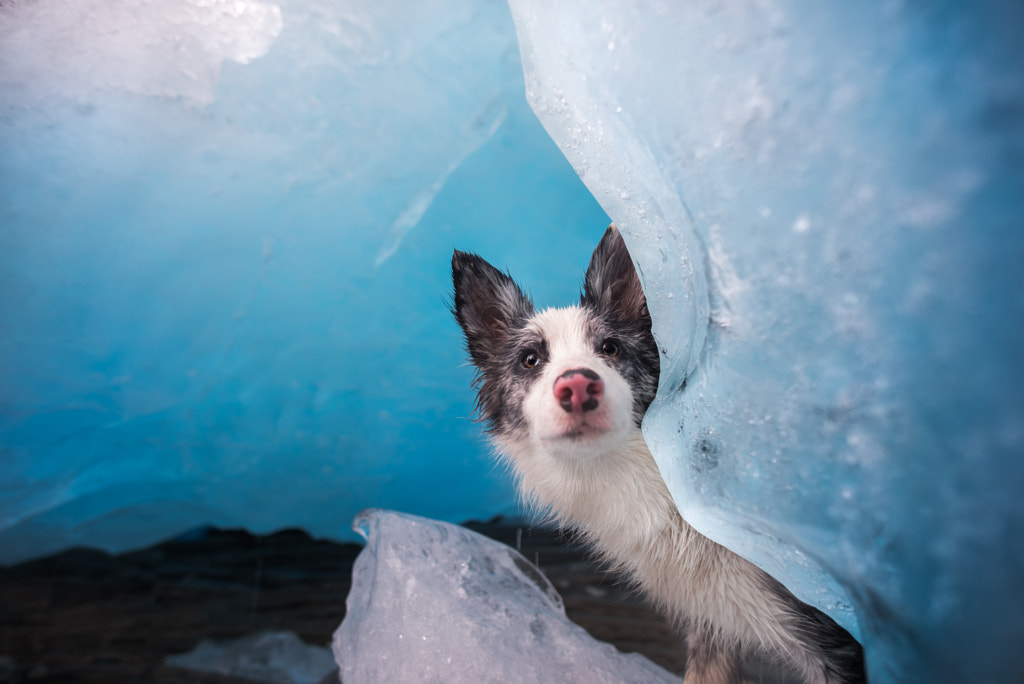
<point x="433" y="602"/>
<point x="824" y="203"/>
<point x="224" y="236"/>
<point x="224" y="233"/>
<point x="275" y="657"/>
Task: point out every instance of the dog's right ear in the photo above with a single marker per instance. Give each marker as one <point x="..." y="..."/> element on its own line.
<point x="487" y="304"/>
<point x="612" y="284"/>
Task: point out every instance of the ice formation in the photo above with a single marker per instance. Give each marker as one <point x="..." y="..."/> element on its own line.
<point x="225" y="229"/>
<point x="824" y="202"/>
<point x="274" y="657"/>
<point x="224" y="235"/>
<point x="433" y="602"/>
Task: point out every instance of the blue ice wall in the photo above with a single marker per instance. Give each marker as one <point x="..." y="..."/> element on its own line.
<point x="225" y="238"/>
<point x="825" y="202"/>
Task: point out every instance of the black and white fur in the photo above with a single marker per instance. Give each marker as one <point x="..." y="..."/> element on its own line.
<point x="563" y="392"/>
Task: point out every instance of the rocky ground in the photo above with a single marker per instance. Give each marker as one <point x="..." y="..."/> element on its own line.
<point x="85" y="616"/>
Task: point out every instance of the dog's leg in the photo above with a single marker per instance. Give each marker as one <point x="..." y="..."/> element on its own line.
<point x="708" y="661"/>
<point x="829" y="653"/>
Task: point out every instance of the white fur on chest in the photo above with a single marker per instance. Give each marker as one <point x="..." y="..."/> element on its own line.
<point x="621" y="505"/>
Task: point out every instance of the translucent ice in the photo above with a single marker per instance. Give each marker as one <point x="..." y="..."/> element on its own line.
<point x="224" y="236"/>
<point x="432" y="602"/>
<point x="824" y="201"/>
<point x="275" y="657"/>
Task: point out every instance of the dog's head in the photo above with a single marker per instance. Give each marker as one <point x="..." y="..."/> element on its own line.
<point x="574" y="379"/>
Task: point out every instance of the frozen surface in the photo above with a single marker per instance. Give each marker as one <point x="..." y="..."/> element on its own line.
<point x="433" y="602"/>
<point x="274" y="657"/>
<point x="225" y="230"/>
<point x="825" y="201"/>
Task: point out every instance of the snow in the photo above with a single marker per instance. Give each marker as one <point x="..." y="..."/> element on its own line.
<point x="172" y="49"/>
<point x="823" y="201"/>
<point x="274" y="657"/>
<point x="433" y="602"/>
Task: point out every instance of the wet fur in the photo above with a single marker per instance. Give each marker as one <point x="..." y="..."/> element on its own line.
<point x="605" y="483"/>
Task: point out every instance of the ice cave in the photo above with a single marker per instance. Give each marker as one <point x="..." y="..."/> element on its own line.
<point x="225" y="238"/>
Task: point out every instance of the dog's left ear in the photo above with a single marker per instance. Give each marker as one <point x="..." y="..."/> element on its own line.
<point x="612" y="285"/>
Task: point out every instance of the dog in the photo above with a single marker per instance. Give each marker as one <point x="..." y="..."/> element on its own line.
<point x="562" y="393"/>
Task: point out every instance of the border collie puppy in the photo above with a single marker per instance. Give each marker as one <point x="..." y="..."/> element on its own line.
<point x="563" y="393"/>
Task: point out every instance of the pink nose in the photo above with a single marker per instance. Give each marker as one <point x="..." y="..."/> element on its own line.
<point x="579" y="390"/>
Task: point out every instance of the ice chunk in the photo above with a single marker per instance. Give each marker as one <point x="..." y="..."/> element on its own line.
<point x="432" y="602"/>
<point x="274" y="657"/>
<point x="824" y="201"/>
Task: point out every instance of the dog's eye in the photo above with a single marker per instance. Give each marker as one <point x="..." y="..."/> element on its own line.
<point x="610" y="348"/>
<point x="530" y="359"/>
